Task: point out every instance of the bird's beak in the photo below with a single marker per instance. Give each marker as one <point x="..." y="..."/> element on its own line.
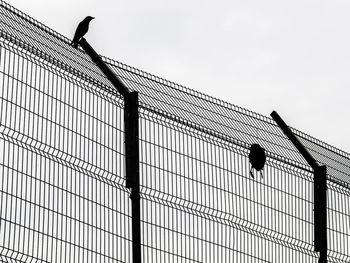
<point x="92" y="18"/>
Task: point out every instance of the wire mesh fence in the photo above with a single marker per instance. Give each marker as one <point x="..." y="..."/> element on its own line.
<point x="62" y="169"/>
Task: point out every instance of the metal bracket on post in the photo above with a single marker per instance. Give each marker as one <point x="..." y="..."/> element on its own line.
<point x="320" y="190"/>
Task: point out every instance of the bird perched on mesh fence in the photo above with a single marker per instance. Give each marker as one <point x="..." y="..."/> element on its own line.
<point x="257" y="158"/>
<point x="81" y="30"/>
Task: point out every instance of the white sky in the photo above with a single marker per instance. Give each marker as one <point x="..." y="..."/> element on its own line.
<point x="288" y="56"/>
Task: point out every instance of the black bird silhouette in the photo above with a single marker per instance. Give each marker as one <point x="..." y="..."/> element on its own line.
<point x="82" y="29"/>
<point x="257" y="158"/>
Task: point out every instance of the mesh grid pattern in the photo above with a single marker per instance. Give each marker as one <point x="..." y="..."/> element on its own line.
<point x="62" y="186"/>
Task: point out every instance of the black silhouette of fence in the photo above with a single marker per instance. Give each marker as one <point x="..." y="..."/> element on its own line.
<point x="62" y="169"/>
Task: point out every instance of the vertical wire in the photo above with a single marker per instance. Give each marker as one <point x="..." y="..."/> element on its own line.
<point x="2" y="72"/>
<point x="90" y="192"/>
<point x="3" y="108"/>
<point x="45" y="183"/>
<point x="50" y="198"/>
<point x="82" y="155"/>
<point x="11" y="189"/>
<point x="105" y="202"/>
<point x="56" y="169"/>
<point x="3" y="194"/>
<point x="164" y="172"/>
<point x="213" y="195"/>
<point x="189" y="151"/>
<point x="336" y="223"/>
<point x="112" y="114"/>
<point x="71" y="119"/>
<point x="34" y="166"/>
<point x="50" y="168"/>
<point x="47" y="192"/>
<point x="231" y="182"/>
<point x="229" y="189"/>
<point x="154" y="161"/>
<point x="92" y="160"/>
<point x="4" y="187"/>
<point x="76" y="147"/>
<point x="109" y="210"/>
<point x="110" y="145"/>
<point x="86" y="157"/>
<point x="42" y="166"/>
<point x="18" y="169"/>
<point x="65" y="173"/>
<point x="61" y="121"/>
<point x="26" y="155"/>
<point x="60" y="174"/>
<point x="10" y="153"/>
<point x="146" y="180"/>
<point x="345" y="241"/>
<point x="31" y="156"/>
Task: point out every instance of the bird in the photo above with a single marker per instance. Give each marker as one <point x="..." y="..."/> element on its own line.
<point x="81" y="30"/>
<point x="257" y="158"/>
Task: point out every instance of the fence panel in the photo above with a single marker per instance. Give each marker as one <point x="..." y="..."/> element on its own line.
<point x="62" y="167"/>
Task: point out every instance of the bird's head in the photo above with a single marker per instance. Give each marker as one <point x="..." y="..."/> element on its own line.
<point x="89" y="18"/>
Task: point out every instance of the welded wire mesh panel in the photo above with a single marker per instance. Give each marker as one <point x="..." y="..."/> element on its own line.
<point x="339" y="223"/>
<point x="202" y="204"/>
<point x="198" y="187"/>
<point x="62" y="189"/>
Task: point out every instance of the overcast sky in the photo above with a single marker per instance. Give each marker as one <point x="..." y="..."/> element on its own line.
<point x="289" y="56"/>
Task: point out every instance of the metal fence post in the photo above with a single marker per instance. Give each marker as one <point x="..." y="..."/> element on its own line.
<point x="320" y="190"/>
<point x="320" y="213"/>
<point x="131" y="106"/>
<point x="131" y="122"/>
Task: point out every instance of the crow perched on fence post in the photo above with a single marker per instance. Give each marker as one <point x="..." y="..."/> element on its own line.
<point x="81" y="30"/>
